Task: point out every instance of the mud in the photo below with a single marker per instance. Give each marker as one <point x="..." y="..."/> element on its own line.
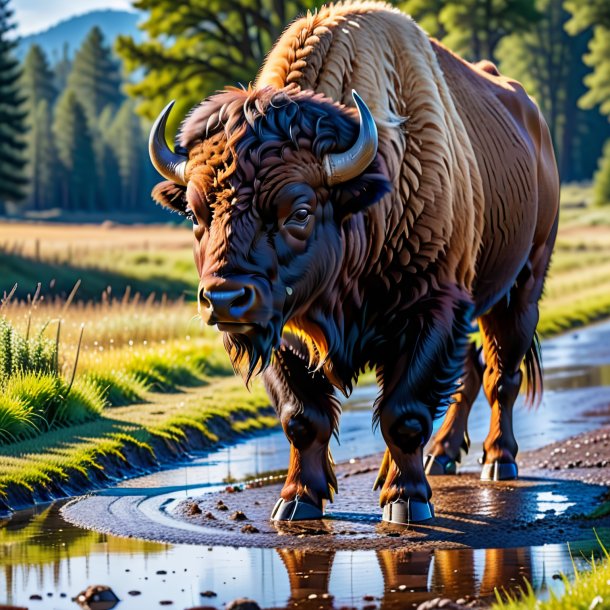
<point x="537" y="509"/>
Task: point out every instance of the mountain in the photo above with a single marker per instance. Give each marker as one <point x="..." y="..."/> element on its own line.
<point x="73" y="31"/>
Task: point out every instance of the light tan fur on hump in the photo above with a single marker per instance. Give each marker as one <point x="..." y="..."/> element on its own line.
<point x="435" y="213"/>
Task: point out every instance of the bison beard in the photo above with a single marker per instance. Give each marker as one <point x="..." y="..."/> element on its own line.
<point x="380" y="232"/>
<point x="251" y="353"/>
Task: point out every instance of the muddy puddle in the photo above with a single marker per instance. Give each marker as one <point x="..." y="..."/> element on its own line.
<point x="44" y="556"/>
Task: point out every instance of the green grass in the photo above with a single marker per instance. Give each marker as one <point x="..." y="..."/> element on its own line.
<point x="214" y="411"/>
<point x="589" y="590"/>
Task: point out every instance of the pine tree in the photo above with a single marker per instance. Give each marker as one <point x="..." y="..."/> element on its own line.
<point x="594" y="14"/>
<point x="75" y="152"/>
<point x="37" y="77"/>
<point x="37" y="84"/>
<point x="107" y="162"/>
<point x="95" y="76"/>
<point x="601" y="181"/>
<point x="42" y="156"/>
<point x="128" y="140"/>
<point x="62" y="69"/>
<point x="12" y="116"/>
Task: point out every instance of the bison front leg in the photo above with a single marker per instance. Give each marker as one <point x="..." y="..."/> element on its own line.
<point x="309" y="414"/>
<point x="405" y="493"/>
<point x="417" y="384"/>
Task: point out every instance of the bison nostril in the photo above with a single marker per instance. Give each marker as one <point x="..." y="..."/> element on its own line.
<point x="243" y="301"/>
<point x="204" y="302"/>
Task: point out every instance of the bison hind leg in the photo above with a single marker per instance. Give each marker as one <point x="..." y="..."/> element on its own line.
<point x="452" y="437"/>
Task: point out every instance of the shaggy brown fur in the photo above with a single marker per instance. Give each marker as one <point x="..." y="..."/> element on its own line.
<point x="454" y="220"/>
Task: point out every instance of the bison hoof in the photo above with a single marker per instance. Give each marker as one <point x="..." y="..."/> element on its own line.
<point x="295" y="510"/>
<point x="439" y="464"/>
<point x="408" y="511"/>
<point x="498" y="471"/>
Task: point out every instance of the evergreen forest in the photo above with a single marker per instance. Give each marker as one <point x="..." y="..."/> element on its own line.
<point x="73" y="129"/>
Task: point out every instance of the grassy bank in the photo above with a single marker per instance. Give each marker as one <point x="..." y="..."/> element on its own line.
<point x="131" y="407"/>
<point x="126" y="441"/>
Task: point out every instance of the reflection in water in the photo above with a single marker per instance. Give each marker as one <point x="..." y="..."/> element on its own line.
<point x="41" y="553"/>
<point x="549" y="501"/>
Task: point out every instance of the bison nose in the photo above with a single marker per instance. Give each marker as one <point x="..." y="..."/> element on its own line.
<point x="226" y="303"/>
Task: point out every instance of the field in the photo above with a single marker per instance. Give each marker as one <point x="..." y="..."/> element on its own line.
<point x="133" y="366"/>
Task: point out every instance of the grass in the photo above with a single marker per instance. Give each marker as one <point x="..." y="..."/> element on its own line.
<point x="589" y="590"/>
<point x="214" y="412"/>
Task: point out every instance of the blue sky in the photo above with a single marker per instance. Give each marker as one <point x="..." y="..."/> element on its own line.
<point x="35" y="15"/>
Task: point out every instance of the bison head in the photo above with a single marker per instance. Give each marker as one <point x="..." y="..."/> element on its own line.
<point x="268" y="179"/>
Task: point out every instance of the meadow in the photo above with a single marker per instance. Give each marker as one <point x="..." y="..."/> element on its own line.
<point x="91" y="370"/>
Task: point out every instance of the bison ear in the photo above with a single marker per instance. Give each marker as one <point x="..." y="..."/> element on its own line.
<point x="361" y="192"/>
<point x="170" y="195"/>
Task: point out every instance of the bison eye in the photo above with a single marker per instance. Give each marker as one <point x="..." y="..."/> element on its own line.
<point x="299" y="217"/>
<point x="191" y="216"/>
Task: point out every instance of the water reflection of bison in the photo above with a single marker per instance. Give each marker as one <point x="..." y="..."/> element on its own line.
<point x="415" y="576"/>
<point x="335" y="232"/>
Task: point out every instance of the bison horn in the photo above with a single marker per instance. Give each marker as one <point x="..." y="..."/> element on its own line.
<point x="341" y="167"/>
<point x="168" y="163"/>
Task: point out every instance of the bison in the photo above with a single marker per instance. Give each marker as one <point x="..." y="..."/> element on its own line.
<point x="336" y="231"/>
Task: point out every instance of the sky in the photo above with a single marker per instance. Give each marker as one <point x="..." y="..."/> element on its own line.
<point x="36" y="15"/>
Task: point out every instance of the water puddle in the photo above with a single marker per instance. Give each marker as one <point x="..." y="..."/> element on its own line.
<point x="551" y="502"/>
<point x="42" y="555"/>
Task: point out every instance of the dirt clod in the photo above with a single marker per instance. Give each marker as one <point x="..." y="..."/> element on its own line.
<point x="238" y="515"/>
<point x="249" y="529"/>
<point x="194" y="509"/>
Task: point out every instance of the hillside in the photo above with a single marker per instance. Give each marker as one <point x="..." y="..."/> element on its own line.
<point x="73" y="31"/>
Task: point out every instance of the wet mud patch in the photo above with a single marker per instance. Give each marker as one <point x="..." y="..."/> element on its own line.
<point x="534" y="510"/>
<point x="469" y="513"/>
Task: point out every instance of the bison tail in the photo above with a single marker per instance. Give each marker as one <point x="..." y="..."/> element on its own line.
<point x="533" y="374"/>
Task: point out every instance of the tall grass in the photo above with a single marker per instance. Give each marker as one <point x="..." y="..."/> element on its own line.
<point x="34" y="395"/>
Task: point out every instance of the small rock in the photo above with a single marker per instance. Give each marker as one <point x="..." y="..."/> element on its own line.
<point x="166" y="602"/>
<point x="220" y="505"/>
<point x="95" y="594"/>
<point x="208" y="594"/>
<point x="249" y="529"/>
<point x="209" y="515"/>
<point x="134" y="593"/>
<point x="238" y="515"/>
<point x="243" y="603"/>
<point x="193" y="509"/>
<point x="35" y="596"/>
<point x="161" y="572"/>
